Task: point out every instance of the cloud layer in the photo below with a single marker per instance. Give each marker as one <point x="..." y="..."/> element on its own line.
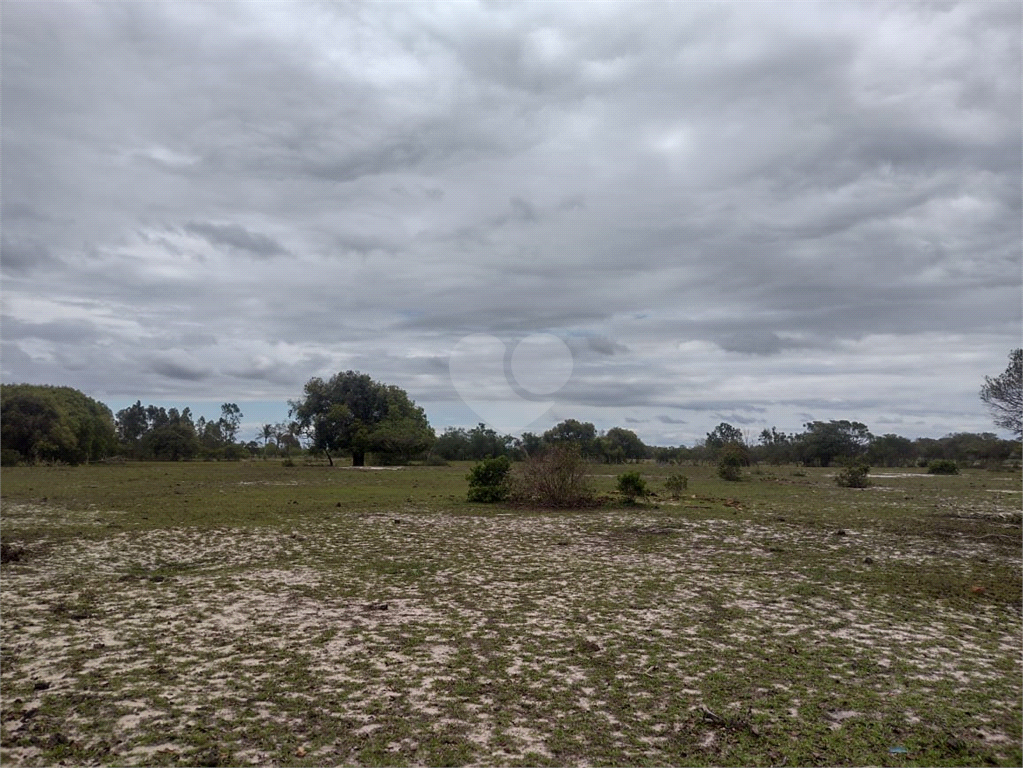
<point x="760" y="213"/>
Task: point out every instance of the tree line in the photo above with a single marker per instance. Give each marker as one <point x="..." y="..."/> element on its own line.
<point x="352" y="415"/>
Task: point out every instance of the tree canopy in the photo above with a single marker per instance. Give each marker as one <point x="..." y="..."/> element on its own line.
<point x="352" y="412"/>
<point x="44" y="423"/>
<point x="1003" y="395"/>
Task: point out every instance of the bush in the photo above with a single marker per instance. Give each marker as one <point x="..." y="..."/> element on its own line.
<point x="554" y="478"/>
<point x="433" y="460"/>
<point x="942" y="467"/>
<point x="288" y="462"/>
<point x="488" y="480"/>
<point x="675" y="484"/>
<point x="854" y="476"/>
<point x="9" y="457"/>
<point x="730" y="463"/>
<point x="631" y="485"/>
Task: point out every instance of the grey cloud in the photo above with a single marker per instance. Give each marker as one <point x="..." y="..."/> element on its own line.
<point x="21" y="257"/>
<point x="775" y="181"/>
<point x="236" y="237"/>
<point x="174" y="369"/>
<point x="670" y="420"/>
<point x="605" y="346"/>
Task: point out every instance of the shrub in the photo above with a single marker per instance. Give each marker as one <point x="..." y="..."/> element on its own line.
<point x="942" y="467"/>
<point x="730" y="463"/>
<point x="9" y="457"/>
<point x="433" y="460"/>
<point x="488" y="480"/>
<point x="675" y="484"/>
<point x="288" y="462"/>
<point x="554" y="478"/>
<point x="631" y="485"/>
<point x="854" y="476"/>
<point x="11" y="553"/>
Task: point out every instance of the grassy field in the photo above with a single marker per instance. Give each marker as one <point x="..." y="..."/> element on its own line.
<point x="250" y="613"/>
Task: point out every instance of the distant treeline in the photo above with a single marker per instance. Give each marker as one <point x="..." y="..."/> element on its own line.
<point x="820" y="444"/>
<point x="46" y="424"/>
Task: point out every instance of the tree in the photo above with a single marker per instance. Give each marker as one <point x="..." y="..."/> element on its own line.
<point x="620" y="445"/>
<point x="583" y="434"/>
<point x="1003" y="395"/>
<point x="823" y="442"/>
<point x="230" y="421"/>
<point x="722" y="435"/>
<point x="891" y="451"/>
<point x="351" y="412"/>
<point x="44" y="423"/>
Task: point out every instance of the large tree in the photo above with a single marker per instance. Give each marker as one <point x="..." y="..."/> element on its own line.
<point x="823" y="442"/>
<point x="1003" y="395"/>
<point x="351" y="412"/>
<point x="44" y="423"/>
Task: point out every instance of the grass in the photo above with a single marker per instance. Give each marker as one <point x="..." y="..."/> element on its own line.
<point x="250" y="613"/>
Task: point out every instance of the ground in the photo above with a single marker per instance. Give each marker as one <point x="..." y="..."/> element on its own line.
<point x="233" y="614"/>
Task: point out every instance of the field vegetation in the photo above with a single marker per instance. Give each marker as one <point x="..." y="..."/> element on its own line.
<point x="233" y="613"/>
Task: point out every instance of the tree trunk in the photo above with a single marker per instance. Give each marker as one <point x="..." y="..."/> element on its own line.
<point x="358" y="458"/>
<point x="329" y="460"/>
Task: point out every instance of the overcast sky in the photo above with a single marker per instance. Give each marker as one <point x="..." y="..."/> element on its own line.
<point x="760" y="213"/>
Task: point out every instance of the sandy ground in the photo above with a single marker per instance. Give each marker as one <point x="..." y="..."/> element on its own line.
<point x="500" y="629"/>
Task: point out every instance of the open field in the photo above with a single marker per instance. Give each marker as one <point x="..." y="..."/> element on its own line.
<point x="234" y="614"/>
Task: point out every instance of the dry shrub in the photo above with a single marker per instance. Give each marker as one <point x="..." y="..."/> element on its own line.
<point x="555" y="478"/>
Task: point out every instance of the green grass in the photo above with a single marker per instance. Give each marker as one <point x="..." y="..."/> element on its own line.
<point x="250" y="613"/>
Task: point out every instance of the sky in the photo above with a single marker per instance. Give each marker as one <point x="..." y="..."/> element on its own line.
<point x="659" y="216"/>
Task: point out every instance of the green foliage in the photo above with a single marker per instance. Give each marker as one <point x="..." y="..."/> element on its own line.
<point x="730" y="462"/>
<point x="631" y="485"/>
<point x="476" y="444"/>
<point x="942" y="467"/>
<point x="488" y="480"/>
<point x="723" y="435"/>
<point x="675" y="484"/>
<point x="581" y="434"/>
<point x="556" y="478"/>
<point x="854" y="475"/>
<point x="825" y="442"/>
<point x="620" y="445"/>
<point x="351" y="412"/>
<point x="1003" y="395"/>
<point x="9" y="457"/>
<point x="54" y="424"/>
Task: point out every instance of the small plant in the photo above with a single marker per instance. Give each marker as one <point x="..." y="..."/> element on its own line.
<point x="730" y="463"/>
<point x="854" y="476"/>
<point x="631" y="485"/>
<point x="288" y="462"/>
<point x="488" y="480"/>
<point x="675" y="484"/>
<point x="942" y="467"/>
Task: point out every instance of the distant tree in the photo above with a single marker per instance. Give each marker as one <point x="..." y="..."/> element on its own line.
<point x="580" y="433"/>
<point x="230" y="421"/>
<point x="620" y="445"/>
<point x="132" y="424"/>
<point x="723" y="434"/>
<point x="1003" y="395"/>
<point x="351" y="412"/>
<point x="268" y="434"/>
<point x="823" y="442"/>
<point x="891" y="451"/>
<point x="44" y="423"/>
<point x="531" y="444"/>
<point x="775" y="447"/>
